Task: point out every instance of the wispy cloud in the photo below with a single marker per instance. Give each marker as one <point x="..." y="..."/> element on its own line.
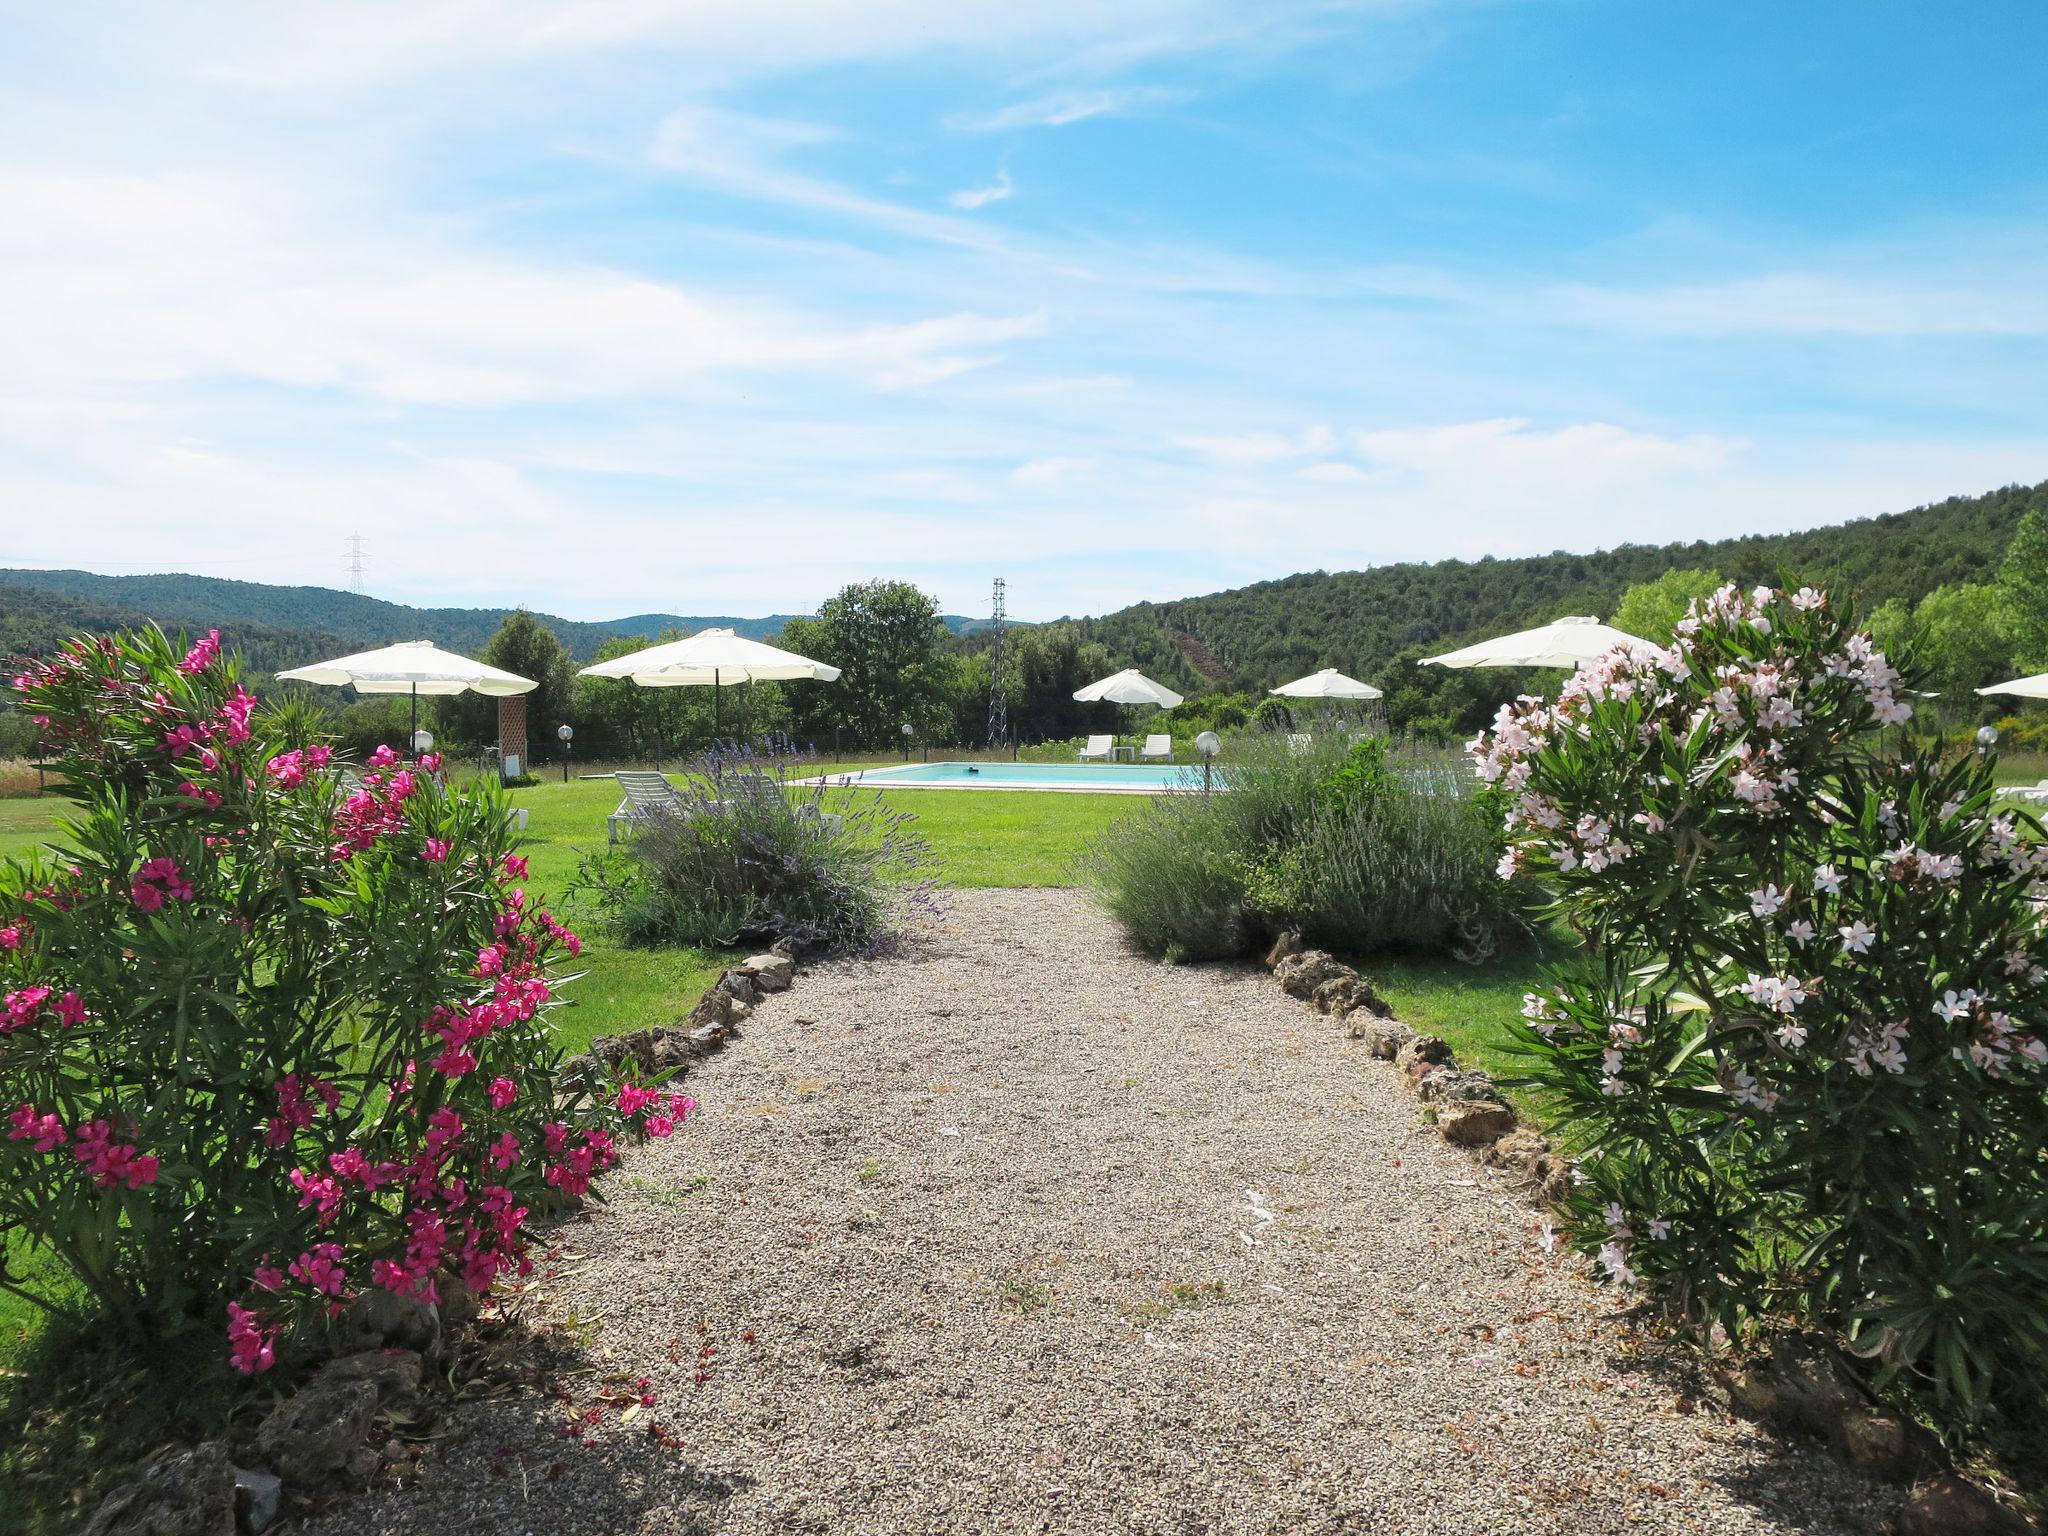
<point x="1059" y="109"/>
<point x="981" y="197"/>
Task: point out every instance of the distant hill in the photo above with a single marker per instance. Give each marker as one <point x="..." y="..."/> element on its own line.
<point x="35" y="622"/>
<point x="347" y="618"/>
<point x="1368" y="623"/>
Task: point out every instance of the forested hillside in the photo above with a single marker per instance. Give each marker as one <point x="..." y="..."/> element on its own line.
<point x="1368" y="622"/>
<point x="358" y="621"/>
<point x="34" y="622"/>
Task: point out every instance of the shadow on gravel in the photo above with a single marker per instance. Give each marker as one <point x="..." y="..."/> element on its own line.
<point x="1796" y="1484"/>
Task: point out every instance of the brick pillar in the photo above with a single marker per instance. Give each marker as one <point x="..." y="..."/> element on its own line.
<point x="512" y="730"/>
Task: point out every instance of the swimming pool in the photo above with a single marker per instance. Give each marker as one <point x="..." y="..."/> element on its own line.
<point x="1092" y="778"/>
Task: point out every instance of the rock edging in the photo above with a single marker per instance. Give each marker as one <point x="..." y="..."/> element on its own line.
<point x="1466" y="1106"/>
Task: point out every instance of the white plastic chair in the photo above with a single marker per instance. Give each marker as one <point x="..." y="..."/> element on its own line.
<point x="1098" y="750"/>
<point x="1300" y="744"/>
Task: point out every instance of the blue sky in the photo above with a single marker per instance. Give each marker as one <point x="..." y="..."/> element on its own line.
<point x="715" y="306"/>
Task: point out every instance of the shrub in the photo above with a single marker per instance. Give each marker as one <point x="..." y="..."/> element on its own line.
<point x="1805" y="1055"/>
<point x="748" y="857"/>
<point x="265" y="1043"/>
<point x="1362" y="848"/>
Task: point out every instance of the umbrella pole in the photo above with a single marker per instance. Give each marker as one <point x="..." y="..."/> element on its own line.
<point x="714" y="705"/>
<point x="415" y="716"/>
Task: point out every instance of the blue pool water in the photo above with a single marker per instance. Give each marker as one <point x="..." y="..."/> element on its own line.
<point x="1125" y="778"/>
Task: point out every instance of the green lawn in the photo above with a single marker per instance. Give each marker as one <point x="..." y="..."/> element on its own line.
<point x="981" y="838"/>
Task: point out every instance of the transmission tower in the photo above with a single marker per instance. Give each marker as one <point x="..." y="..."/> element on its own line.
<point x="355" y="563"/>
<point x="998" y="675"/>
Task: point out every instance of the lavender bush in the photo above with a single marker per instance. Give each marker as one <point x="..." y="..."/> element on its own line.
<point x="1805" y="1055"/>
<point x="748" y="857"/>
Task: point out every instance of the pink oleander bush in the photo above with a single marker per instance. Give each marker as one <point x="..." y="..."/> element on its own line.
<point x="1807" y="1053"/>
<point x="265" y="1040"/>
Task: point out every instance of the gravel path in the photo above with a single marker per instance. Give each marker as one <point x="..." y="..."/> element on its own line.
<point x="1022" y="1232"/>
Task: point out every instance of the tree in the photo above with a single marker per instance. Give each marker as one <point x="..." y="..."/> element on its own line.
<point x="887" y="640"/>
<point x="1651" y="608"/>
<point x="1047" y="664"/>
<point x="528" y="647"/>
<point x="1962" y="638"/>
<point x="2023" y="583"/>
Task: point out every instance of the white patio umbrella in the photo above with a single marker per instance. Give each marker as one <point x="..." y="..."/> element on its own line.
<point x="1326" y="684"/>
<point x="2035" y="687"/>
<point x="414" y="667"/>
<point x="1129" y="686"/>
<point x="1561" y="643"/>
<point x="711" y="658"/>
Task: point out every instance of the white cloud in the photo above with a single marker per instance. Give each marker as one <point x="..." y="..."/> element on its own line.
<point x="1251" y="448"/>
<point x="1053" y="471"/>
<point x="1059" y="109"/>
<point x="981" y="197"/>
<point x="123" y="284"/>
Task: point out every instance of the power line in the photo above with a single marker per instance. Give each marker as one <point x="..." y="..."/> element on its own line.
<point x="355" y="563"/>
<point x="998" y="675"/>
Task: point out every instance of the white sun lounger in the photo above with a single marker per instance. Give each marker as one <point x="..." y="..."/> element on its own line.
<point x="646" y="794"/>
<point x="1099" y="750"/>
<point x="1158" y="749"/>
<point x="1300" y="744"/>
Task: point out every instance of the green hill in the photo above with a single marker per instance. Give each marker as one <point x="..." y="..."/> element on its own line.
<point x="34" y="622"/>
<point x="1370" y="623"/>
<point x="346" y="618"/>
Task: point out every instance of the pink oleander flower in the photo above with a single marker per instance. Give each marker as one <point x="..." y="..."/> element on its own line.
<point x="202" y="655"/>
<point x="11" y="936"/>
<point x="318" y="1193"/>
<point x="505" y="1151"/>
<point x="111" y="1162"/>
<point x="250" y="1346"/>
<point x="70" y="1010"/>
<point x="22" y="1008"/>
<point x="515" y="867"/>
<point x="46" y="1130"/>
<point x="429" y="762"/>
<point x="435" y="851"/>
<point x="267" y="1276"/>
<point x="383" y="757"/>
<point x="633" y="1099"/>
<point x="320" y="1268"/>
<point x="503" y="1091"/>
<point x="287" y="770"/>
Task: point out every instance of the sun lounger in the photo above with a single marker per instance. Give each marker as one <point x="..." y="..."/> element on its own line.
<point x="1299" y="744"/>
<point x="1099" y="750"/>
<point x="646" y="795"/>
<point x="1158" y="749"/>
<point x="765" y="789"/>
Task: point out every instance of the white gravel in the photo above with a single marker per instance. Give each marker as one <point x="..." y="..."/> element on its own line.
<point x="1032" y="1234"/>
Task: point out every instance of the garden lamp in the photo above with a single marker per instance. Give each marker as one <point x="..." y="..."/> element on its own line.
<point x="422" y="742"/>
<point x="565" y="734"/>
<point x="1208" y="744"/>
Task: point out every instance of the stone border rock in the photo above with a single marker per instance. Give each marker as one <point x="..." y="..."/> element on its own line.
<point x="1800" y="1386"/>
<point x="319" y="1439"/>
<point x="1467" y="1107"/>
